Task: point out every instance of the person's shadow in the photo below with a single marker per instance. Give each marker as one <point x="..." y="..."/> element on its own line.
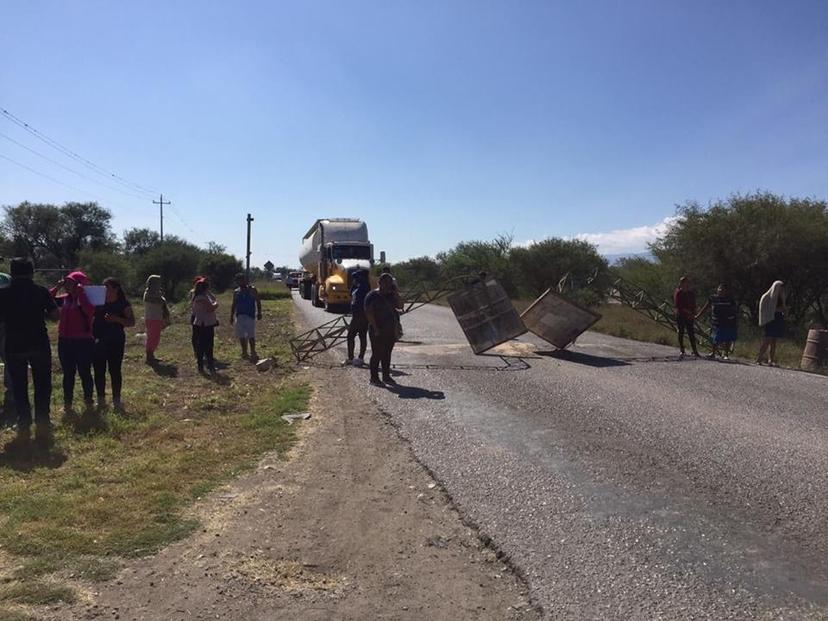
<point x="28" y="458"/>
<point x="414" y="392"/>
<point x="164" y="369"/>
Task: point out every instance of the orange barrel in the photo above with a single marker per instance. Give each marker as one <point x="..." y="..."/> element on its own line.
<point x="816" y="350"/>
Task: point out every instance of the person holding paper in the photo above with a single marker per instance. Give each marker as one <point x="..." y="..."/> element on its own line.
<point x="111" y="318"/>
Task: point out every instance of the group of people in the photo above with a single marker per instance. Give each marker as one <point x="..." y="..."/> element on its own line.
<point x="375" y="313"/>
<point x="724" y="320"/>
<point x="92" y="338"/>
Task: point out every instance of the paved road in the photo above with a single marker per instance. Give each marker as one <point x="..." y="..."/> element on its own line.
<point x="622" y="482"/>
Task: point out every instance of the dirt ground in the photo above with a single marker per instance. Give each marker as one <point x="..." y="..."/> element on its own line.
<point x="349" y="527"/>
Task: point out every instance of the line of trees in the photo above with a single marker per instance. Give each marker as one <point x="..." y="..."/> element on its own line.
<point x="80" y="236"/>
<point x="744" y="241"/>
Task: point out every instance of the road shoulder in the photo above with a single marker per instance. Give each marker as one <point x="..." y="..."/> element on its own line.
<point x="350" y="527"/>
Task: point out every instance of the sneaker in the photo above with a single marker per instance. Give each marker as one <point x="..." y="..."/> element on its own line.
<point x="726" y="357"/>
<point x="389" y="380"/>
<point x="359" y="362"/>
<point x="347" y="362"/>
<point x="375" y="382"/>
<point x="681" y="356"/>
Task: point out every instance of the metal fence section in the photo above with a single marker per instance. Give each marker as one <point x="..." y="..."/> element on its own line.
<point x="321" y="338"/>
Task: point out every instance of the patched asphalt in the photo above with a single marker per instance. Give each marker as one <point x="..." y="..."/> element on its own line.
<point x="622" y="482"/>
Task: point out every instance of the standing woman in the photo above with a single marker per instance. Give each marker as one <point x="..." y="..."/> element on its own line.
<point x="75" y="342"/>
<point x="384" y="328"/>
<point x="772" y="319"/>
<point x="204" y="306"/>
<point x="110" y="340"/>
<point x="155" y="307"/>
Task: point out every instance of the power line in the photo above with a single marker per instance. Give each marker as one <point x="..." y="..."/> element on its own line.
<point x="71" y="170"/>
<point x="52" y="179"/>
<point x="69" y="153"/>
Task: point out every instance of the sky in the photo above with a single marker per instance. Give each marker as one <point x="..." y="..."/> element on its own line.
<point x="434" y="121"/>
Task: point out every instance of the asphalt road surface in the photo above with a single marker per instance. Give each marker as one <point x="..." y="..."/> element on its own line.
<point x="622" y="482"/>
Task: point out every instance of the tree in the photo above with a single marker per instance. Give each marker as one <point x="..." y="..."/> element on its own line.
<point x="476" y="256"/>
<point x="99" y="264"/>
<point x="543" y="264"/>
<point x="139" y="241"/>
<point x="221" y="268"/>
<point x="54" y="236"/>
<point x="174" y="260"/>
<point x="418" y="271"/>
<point x="748" y="241"/>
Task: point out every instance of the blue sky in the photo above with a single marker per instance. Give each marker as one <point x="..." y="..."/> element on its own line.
<point x="434" y="121"/>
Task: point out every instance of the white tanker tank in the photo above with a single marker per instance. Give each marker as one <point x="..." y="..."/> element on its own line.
<point x="332" y="249"/>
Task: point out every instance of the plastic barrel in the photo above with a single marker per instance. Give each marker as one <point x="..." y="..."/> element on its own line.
<point x="816" y="350"/>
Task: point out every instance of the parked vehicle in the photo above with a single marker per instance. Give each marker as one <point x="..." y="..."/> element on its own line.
<point x="332" y="249"/>
<point x="293" y="279"/>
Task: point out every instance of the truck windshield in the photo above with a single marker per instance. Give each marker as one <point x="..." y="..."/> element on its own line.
<point x="351" y="252"/>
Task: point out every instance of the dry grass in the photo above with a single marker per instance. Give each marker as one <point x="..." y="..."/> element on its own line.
<point x="114" y="485"/>
<point x="623" y="321"/>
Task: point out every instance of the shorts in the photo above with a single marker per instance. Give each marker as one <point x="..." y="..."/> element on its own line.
<point x="724" y="334"/>
<point x="245" y="327"/>
<point x="775" y="329"/>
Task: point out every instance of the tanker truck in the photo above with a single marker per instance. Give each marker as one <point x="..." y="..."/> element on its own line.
<point x="332" y="250"/>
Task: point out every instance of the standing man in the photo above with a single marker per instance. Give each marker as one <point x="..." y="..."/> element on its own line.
<point x="245" y="310"/>
<point x="25" y="307"/>
<point x="724" y="319"/>
<point x="383" y="328"/>
<point x="684" y="299"/>
<point x="8" y="417"/>
<point x="359" y="322"/>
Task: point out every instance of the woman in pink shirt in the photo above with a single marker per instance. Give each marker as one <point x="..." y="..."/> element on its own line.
<point x="76" y="344"/>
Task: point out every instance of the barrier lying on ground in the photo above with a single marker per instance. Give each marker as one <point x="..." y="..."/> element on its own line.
<point x="486" y="315"/>
<point x="557" y="319"/>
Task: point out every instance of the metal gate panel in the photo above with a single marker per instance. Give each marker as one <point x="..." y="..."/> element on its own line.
<point x="557" y="319"/>
<point x="486" y="315"/>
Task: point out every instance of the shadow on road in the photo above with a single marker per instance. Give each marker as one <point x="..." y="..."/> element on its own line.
<point x="586" y="359"/>
<point x="414" y="392"/>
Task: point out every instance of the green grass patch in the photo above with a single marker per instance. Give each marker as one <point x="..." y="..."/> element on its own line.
<point x="118" y="485"/>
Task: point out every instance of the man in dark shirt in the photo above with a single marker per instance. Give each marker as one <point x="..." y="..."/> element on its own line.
<point x="25" y="306"/>
<point x="381" y="311"/>
<point x="358" y="325"/>
<point x="684" y="299"/>
<point x="724" y="319"/>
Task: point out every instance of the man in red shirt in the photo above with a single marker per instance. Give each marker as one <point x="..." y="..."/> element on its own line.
<point x="684" y="299"/>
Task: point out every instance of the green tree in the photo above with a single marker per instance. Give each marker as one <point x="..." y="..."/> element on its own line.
<point x="175" y="260"/>
<point x="418" y="271"/>
<point x="98" y="264"/>
<point x="139" y="241"/>
<point x="220" y="267"/>
<point x="542" y="265"/>
<point x="54" y="236"/>
<point x="469" y="258"/>
<point x="748" y="241"/>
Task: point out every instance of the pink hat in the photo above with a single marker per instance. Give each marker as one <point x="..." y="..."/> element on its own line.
<point x="79" y="277"/>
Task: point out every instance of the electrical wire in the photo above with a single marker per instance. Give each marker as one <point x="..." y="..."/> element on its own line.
<point x="71" y="170"/>
<point x="69" y="153"/>
<point x="45" y="176"/>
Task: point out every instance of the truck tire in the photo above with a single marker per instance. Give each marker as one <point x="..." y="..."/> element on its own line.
<point x="305" y="289"/>
<point x="315" y="297"/>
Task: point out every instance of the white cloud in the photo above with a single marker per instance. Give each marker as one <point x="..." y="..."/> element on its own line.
<point x="623" y="241"/>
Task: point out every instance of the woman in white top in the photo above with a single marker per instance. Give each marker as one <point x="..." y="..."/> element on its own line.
<point x="203" y="311"/>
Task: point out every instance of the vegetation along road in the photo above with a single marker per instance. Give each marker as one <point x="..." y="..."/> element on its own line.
<point x="622" y="482"/>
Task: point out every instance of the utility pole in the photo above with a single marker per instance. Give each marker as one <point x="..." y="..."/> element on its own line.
<point x="161" y="202"/>
<point x="247" y="268"/>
